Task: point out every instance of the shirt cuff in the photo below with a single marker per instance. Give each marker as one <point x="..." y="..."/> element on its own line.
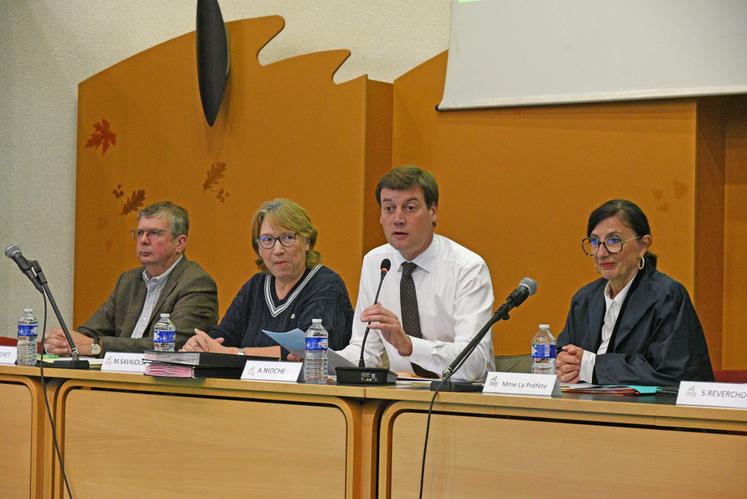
<point x="586" y="373"/>
<point x="421" y="350"/>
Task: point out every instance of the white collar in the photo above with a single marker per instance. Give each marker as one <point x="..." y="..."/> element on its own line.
<point x="162" y="277"/>
<point x="620" y="298"/>
<point x="425" y="260"/>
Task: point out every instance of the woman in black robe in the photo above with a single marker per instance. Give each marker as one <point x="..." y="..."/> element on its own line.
<point x="291" y="289"/>
<point x="634" y="325"/>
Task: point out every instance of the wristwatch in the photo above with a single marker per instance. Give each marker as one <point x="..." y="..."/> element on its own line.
<point x="95" y="348"/>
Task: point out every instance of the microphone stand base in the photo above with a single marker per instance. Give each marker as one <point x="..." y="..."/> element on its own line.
<point x="71" y="364"/>
<point x="365" y="376"/>
<point x="456" y="386"/>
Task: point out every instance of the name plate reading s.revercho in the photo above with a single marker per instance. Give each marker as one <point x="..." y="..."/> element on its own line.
<point x="262" y="370"/>
<point x="8" y="355"/>
<point x="522" y="384"/>
<point x="121" y="362"/>
<point x="712" y="394"/>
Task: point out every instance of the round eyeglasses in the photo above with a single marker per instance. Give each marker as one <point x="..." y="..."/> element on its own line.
<point x="267" y="241"/>
<point x="613" y="244"/>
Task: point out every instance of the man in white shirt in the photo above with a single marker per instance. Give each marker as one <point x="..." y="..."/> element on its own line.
<point x="167" y="282"/>
<point x="437" y="295"/>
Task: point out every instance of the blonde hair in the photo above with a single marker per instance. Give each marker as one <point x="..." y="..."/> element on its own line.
<point x="285" y="213"/>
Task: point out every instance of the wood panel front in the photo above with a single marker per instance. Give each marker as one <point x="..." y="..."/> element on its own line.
<point x="187" y="446"/>
<point x="16" y="418"/>
<point x="22" y="430"/>
<point x="490" y="455"/>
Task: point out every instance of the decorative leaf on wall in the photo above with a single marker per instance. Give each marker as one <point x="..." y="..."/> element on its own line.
<point x="102" y="136"/>
<point x="118" y="192"/>
<point x="135" y="201"/>
<point x="680" y="190"/>
<point x="214" y="175"/>
<point x="222" y="195"/>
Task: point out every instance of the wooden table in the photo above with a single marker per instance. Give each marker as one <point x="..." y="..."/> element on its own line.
<point x="132" y="436"/>
<point x="127" y="435"/>
<point x="22" y="436"/>
<point x="574" y="446"/>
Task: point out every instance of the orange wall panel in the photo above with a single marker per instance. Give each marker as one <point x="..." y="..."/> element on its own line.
<point x="518" y="184"/>
<point x="284" y="129"/>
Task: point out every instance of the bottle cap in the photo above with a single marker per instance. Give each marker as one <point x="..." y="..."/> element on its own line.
<point x="544" y="326"/>
<point x="27" y="310"/>
<point x="164" y="316"/>
<point x="316" y="321"/>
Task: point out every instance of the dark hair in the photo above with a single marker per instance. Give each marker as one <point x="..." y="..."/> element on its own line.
<point x="405" y="177"/>
<point x="176" y="214"/>
<point x="631" y="215"/>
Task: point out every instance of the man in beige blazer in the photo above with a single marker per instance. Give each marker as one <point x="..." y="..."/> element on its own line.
<point x="166" y="283"/>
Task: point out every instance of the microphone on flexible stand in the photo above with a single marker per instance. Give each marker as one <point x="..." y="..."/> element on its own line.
<point x="527" y="287"/>
<point x="34" y="272"/>
<point x="363" y="375"/>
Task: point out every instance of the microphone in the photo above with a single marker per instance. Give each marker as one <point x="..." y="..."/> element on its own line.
<point x="13" y="251"/>
<point x="361" y="374"/>
<point x="385" y="266"/>
<point x="34" y="272"/>
<point x="526" y="288"/>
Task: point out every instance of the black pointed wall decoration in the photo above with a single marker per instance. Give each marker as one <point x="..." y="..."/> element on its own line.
<point x="212" y="57"/>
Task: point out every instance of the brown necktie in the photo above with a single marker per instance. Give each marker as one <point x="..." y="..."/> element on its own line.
<point x="408" y="300"/>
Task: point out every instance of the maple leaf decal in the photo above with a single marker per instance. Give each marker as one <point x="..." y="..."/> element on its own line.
<point x="214" y="175"/>
<point x="102" y="136"/>
<point x="133" y="202"/>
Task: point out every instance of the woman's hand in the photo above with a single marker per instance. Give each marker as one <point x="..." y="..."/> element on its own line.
<point x="569" y="364"/>
<point x="201" y="342"/>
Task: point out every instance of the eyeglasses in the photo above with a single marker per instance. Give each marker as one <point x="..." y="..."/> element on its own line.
<point x="267" y="241"/>
<point x="613" y="244"/>
<point x="151" y="233"/>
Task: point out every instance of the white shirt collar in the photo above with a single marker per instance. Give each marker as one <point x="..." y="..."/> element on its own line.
<point x="620" y="298"/>
<point x="160" y="278"/>
<point x="425" y="260"/>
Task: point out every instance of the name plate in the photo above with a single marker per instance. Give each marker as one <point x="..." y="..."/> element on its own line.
<point x="544" y="385"/>
<point x="121" y="362"/>
<point x="8" y="355"/>
<point x="263" y="370"/>
<point x="712" y="394"/>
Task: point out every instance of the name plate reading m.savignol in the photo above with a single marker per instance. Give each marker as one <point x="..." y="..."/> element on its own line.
<point x="122" y="362"/>
<point x="263" y="370"/>
<point x="8" y="355"/>
<point x="706" y="394"/>
<point x="544" y="385"/>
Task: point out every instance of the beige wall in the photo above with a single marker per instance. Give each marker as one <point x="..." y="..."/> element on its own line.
<point x="48" y="47"/>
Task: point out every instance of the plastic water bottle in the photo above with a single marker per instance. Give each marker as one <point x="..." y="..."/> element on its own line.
<point x="543" y="351"/>
<point x="27" y="331"/>
<point x="164" y="334"/>
<point x="315" y="363"/>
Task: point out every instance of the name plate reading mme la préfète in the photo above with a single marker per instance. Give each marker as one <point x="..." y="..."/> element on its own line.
<point x="706" y="394"/>
<point x="122" y="362"/>
<point x="263" y="370"/>
<point x="544" y="385"/>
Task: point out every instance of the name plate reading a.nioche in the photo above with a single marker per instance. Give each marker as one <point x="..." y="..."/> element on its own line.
<point x="712" y="394"/>
<point x="121" y="362"/>
<point x="544" y="385"/>
<point x="262" y="370"/>
<point x="8" y="355"/>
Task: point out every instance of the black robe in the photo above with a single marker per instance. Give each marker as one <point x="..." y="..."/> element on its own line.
<point x="658" y="338"/>
<point x="319" y="294"/>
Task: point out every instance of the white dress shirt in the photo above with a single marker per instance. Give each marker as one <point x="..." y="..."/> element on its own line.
<point x="612" y="310"/>
<point x="154" y="287"/>
<point x="455" y="300"/>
